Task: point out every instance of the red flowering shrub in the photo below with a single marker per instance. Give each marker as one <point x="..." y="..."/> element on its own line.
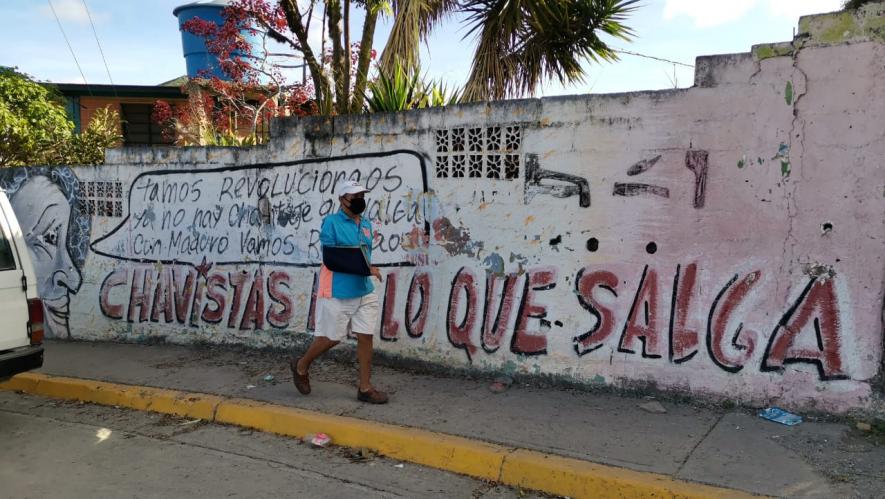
<point x="164" y="116"/>
<point x="301" y="102"/>
<point x="238" y="109"/>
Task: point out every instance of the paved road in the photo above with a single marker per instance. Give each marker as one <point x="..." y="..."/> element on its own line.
<point x="51" y="448"/>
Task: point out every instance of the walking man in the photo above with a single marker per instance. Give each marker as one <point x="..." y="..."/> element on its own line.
<point x="346" y="301"/>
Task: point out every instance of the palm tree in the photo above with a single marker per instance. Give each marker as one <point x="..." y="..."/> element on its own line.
<point x="520" y="43"/>
<point x="413" y="22"/>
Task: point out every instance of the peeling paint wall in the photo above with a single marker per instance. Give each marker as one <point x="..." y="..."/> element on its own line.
<point x="725" y="240"/>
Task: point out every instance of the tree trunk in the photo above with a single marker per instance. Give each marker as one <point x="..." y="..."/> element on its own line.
<point x="195" y="101"/>
<point x="338" y="74"/>
<point x="321" y="86"/>
<point x="347" y="50"/>
<point x="365" y="58"/>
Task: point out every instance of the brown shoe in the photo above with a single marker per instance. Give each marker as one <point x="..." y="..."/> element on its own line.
<point x="372" y="396"/>
<point x="302" y="381"/>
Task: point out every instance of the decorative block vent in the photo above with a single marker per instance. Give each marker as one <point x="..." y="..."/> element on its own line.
<point x="103" y="199"/>
<point x="479" y="152"/>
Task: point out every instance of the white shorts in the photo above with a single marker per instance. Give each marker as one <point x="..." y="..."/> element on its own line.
<point x="336" y="317"/>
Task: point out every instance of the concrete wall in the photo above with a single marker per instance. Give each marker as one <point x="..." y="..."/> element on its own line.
<point x="725" y="240"/>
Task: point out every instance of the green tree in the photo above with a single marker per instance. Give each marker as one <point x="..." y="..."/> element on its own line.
<point x="34" y="129"/>
<point x="88" y="148"/>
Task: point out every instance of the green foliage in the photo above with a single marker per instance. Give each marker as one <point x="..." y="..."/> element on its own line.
<point x="401" y="89"/>
<point x="88" y="148"/>
<point x="395" y="90"/>
<point x="856" y="4"/>
<point x="227" y="138"/>
<point x="34" y="128"/>
<point x="439" y="95"/>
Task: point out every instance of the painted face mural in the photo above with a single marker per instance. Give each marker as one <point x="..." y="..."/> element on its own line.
<point x="56" y="232"/>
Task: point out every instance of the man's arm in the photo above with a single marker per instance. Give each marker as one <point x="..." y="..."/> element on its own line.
<point x="327" y="234"/>
<point x="376" y="272"/>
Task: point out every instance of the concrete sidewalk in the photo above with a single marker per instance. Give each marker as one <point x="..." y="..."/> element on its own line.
<point x="728" y="448"/>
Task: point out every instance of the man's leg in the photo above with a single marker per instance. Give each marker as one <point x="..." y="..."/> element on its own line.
<point x="331" y="327"/>
<point x="364" y="356"/>
<point x="363" y="321"/>
<point x="319" y="346"/>
<point x="366" y="392"/>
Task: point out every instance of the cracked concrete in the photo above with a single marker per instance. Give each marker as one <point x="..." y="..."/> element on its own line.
<point x="789" y="182"/>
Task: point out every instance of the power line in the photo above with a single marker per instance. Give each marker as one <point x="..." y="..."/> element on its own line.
<point x="69" y="46"/>
<point x="100" y="51"/>
<point x="637" y="54"/>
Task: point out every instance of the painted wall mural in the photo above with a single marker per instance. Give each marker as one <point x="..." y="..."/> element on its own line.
<point x="269" y="213"/>
<point x="653" y="240"/>
<point x="56" y="230"/>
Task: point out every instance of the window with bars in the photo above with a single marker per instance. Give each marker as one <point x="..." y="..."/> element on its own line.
<point x="138" y="127"/>
<point x="479" y="152"/>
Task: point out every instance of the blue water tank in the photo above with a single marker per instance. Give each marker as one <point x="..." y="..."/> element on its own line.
<point x="196" y="56"/>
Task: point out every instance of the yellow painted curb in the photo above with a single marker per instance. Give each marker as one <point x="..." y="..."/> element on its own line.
<point x="436" y="450"/>
<point x="517" y="467"/>
<point x="576" y="478"/>
<point x="192" y="405"/>
<point x="26" y="382"/>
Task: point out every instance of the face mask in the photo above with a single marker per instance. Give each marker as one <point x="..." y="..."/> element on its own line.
<point x="357" y="205"/>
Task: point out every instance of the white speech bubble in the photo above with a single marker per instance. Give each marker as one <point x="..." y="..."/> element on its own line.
<point x="269" y="213"/>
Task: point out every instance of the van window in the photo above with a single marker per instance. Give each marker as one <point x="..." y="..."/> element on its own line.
<point x="7" y="262"/>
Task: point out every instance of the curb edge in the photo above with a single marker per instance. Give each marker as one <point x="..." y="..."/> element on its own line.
<point x="512" y="466"/>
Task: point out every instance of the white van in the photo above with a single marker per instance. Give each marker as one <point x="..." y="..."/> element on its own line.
<point x="21" y="309"/>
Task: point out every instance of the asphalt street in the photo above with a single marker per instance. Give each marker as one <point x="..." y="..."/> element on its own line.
<point x="51" y="448"/>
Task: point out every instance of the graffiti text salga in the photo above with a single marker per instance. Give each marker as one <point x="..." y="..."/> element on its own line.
<point x="481" y="312"/>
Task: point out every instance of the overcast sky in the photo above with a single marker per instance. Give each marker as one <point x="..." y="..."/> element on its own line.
<point x="142" y="44"/>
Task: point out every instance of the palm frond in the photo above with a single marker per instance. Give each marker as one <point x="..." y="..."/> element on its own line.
<point x="522" y="43"/>
<point x="413" y="22"/>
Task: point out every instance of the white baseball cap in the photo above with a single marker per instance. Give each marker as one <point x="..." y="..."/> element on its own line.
<point x="351" y="187"/>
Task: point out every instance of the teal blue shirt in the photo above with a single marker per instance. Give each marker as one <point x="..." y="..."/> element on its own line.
<point x="338" y="229"/>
